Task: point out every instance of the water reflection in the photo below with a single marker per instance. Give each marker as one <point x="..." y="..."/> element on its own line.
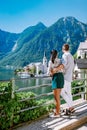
<point x="8" y="74"/>
<point x="30" y="82"/>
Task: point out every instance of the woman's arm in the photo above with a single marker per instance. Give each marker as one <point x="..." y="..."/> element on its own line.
<point x="50" y="70"/>
<point x="58" y="68"/>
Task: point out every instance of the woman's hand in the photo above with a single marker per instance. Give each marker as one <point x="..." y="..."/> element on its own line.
<point x="51" y="72"/>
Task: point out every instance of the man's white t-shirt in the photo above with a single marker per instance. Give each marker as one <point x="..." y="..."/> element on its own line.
<point x="68" y="62"/>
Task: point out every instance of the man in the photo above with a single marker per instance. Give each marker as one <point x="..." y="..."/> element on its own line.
<point x="68" y="65"/>
<point x="68" y="62"/>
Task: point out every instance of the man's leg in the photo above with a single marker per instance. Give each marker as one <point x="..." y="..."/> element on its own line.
<point x="66" y="94"/>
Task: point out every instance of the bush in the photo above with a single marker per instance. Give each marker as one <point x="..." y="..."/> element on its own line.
<point x="77" y="83"/>
<point x="11" y="109"/>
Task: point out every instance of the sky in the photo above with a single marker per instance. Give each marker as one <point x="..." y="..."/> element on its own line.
<point x="17" y="15"/>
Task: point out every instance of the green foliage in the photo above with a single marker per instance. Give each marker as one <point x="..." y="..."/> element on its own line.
<point x="75" y="56"/>
<point x="7" y="41"/>
<point x="77" y="83"/>
<point x="15" y="111"/>
<point x="32" y="70"/>
<point x="18" y="70"/>
<point x="10" y="109"/>
<point x="40" y="72"/>
<point x="5" y="87"/>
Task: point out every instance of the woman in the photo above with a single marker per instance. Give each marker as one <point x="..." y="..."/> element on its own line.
<point x="57" y="79"/>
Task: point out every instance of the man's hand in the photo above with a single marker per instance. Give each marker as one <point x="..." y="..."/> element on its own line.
<point x="56" y="69"/>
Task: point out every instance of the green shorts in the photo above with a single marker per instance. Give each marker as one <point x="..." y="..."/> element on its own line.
<point x="57" y="80"/>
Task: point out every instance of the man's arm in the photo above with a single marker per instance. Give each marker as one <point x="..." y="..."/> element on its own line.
<point x="58" y="68"/>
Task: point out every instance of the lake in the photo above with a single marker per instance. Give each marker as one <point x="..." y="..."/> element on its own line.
<point x="8" y="74"/>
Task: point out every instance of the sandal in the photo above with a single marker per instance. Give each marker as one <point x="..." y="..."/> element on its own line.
<point x="67" y="112"/>
<point x="72" y="110"/>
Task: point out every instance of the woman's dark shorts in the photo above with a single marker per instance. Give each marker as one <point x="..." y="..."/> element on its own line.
<point x="57" y="80"/>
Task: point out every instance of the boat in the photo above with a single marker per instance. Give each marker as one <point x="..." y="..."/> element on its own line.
<point x="23" y="74"/>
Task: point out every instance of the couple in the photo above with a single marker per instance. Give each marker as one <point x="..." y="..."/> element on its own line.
<point x="61" y="78"/>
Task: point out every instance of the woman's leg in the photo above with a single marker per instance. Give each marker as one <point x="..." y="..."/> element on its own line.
<point x="57" y="100"/>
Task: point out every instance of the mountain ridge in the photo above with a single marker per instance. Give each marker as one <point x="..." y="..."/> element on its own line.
<point x="34" y="40"/>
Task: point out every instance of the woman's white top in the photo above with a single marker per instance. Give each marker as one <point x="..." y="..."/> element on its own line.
<point x="51" y="65"/>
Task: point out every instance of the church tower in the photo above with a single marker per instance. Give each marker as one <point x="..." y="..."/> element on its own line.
<point x="45" y="60"/>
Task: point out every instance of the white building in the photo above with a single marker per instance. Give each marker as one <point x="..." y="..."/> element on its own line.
<point x="44" y="60"/>
<point x="81" y="58"/>
<point x="45" y="63"/>
<point x="41" y="68"/>
<point x="82" y="50"/>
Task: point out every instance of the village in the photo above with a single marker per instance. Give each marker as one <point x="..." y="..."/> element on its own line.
<point x="39" y="69"/>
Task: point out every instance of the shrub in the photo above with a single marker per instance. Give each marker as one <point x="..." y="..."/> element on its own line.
<point x="12" y="110"/>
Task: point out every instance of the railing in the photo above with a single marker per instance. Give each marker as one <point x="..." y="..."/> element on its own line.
<point x="28" y="88"/>
<point x="81" y="93"/>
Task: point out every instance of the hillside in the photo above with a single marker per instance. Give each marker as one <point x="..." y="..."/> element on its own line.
<point x="34" y="40"/>
<point x="7" y="41"/>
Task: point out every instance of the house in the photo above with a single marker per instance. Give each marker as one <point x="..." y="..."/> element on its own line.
<point x="82" y="50"/>
<point x="40" y="67"/>
<point x="81" y="61"/>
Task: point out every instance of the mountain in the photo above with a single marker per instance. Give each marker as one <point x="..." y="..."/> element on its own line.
<point x="17" y="53"/>
<point x="29" y="33"/>
<point x="7" y="41"/>
<point x="33" y="41"/>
